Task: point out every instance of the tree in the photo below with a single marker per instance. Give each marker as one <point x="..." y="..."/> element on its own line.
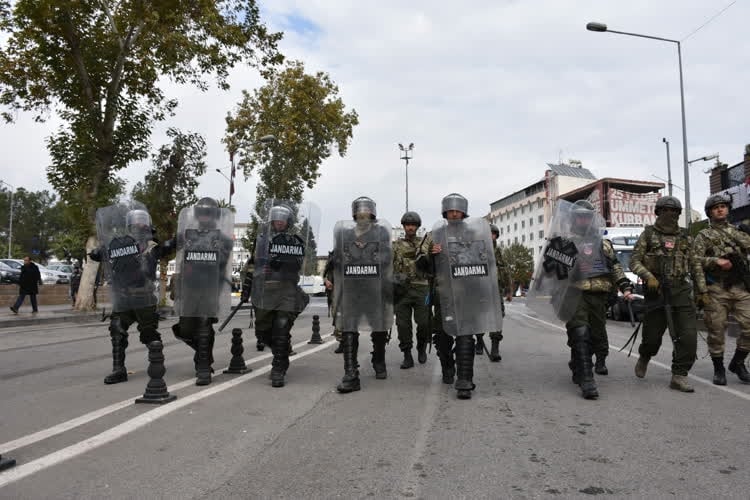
<point x="307" y="117"/>
<point x="170" y="186"/>
<point x="520" y="262"/>
<point x="37" y="223"/>
<point x="306" y="232"/>
<point x="100" y="66"/>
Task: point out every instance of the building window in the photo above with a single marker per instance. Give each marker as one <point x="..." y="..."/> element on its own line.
<point x="515" y="211"/>
<point x="531" y="221"/>
<point x="523" y="209"/>
<point x="531" y="237"/>
<point x="523" y="224"/>
<point x="540" y="203"/>
<point x="501" y="230"/>
<point x="515" y="239"/>
<point x="541" y="219"/>
<point x="515" y="226"/>
<point x="523" y="238"/>
<point x="508" y="227"/>
<point x="541" y="234"/>
<point x="508" y="241"/>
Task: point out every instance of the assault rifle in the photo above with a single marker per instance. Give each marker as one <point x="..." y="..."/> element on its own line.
<point x="740" y="272"/>
<point x="666" y="293"/>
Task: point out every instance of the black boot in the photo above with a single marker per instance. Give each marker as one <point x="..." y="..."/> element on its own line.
<point x="340" y="348"/>
<point x="465" y="350"/>
<point x="350" y="382"/>
<point x="720" y="374"/>
<point x="737" y="366"/>
<point x="408" y="360"/>
<point x="480" y="338"/>
<point x="259" y="344"/>
<point x="421" y="352"/>
<point x="280" y="363"/>
<point x="599" y="367"/>
<point x="444" y="344"/>
<point x="378" y="354"/>
<point x="495" y="352"/>
<point x="119" y="338"/>
<point x="572" y="365"/>
<point x="584" y="367"/>
<point x="203" y="358"/>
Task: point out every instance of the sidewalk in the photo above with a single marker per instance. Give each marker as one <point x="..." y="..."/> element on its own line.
<point x="62" y="313"/>
<point x="59" y="313"/>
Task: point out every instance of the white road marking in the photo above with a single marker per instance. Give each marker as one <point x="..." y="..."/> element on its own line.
<point x="25" y="470"/>
<point x="707" y="382"/>
<point x="96" y="414"/>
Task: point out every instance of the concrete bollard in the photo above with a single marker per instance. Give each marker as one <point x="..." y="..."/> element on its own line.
<point x="156" y="389"/>
<point x="237" y="363"/>
<point x="316" y="339"/>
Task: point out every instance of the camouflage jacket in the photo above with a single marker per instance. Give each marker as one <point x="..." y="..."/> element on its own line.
<point x="720" y="240"/>
<point x="607" y="281"/>
<point x="405" y="271"/>
<point x="657" y="253"/>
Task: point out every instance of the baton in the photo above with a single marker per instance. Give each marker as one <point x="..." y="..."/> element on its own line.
<point x="630" y="311"/>
<point x="231" y="314"/>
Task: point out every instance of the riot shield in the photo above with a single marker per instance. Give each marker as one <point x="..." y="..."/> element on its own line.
<point x="203" y="265"/>
<point x="285" y="250"/>
<point x="129" y="256"/>
<point x="466" y="277"/>
<point x="363" y="276"/>
<point x="572" y="252"/>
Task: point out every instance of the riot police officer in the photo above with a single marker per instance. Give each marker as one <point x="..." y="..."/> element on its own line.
<point x="458" y="249"/>
<point x="723" y="287"/>
<point x="130" y="255"/>
<point x="597" y="270"/>
<point x="363" y="269"/>
<point x="410" y="291"/>
<point x="276" y="296"/>
<point x="663" y="259"/>
<point x="202" y="279"/>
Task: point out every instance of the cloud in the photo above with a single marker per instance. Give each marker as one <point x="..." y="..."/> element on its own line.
<point x="489" y="92"/>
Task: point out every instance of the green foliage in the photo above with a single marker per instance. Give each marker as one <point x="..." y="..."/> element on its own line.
<point x="101" y="66"/>
<point x="171" y="184"/>
<point x="306" y="115"/>
<point x="38" y="221"/>
<point x="520" y="261"/>
<point x="306" y="232"/>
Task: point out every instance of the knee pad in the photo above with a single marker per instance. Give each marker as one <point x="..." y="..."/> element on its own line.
<point x="281" y="324"/>
<point x="116" y="328"/>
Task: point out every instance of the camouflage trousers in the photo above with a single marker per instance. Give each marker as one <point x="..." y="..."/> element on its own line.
<point x="722" y="301"/>
<point x="413" y="301"/>
<point x="592" y="312"/>
<point x="655" y="324"/>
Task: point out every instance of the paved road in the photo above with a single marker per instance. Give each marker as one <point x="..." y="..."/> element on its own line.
<point x="527" y="433"/>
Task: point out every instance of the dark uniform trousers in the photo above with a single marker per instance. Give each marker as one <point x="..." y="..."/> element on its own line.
<point x="655" y="323"/>
<point x="592" y="312"/>
<point x="413" y="302"/>
<point x="147" y="319"/>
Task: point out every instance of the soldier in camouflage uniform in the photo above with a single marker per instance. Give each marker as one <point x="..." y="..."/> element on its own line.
<point x="722" y="252"/>
<point x="410" y="292"/>
<point x="600" y="272"/>
<point x="662" y="258"/>
<point x="502" y="280"/>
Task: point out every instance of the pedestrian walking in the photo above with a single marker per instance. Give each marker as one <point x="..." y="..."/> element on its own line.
<point x="28" y="285"/>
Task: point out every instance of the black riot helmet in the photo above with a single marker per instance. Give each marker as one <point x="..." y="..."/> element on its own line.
<point x="717" y="199"/>
<point x="455" y="201"/>
<point x="411" y="218"/>
<point x="582" y="214"/>
<point x="495" y="230"/>
<point x="668" y="202"/>
<point x="363" y="204"/>
<point x="207" y="212"/>
<point x="283" y="213"/>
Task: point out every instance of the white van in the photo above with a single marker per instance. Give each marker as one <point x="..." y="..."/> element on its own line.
<point x="313" y="285"/>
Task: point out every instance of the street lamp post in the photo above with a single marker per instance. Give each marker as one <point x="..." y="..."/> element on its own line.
<point x="406" y="158"/>
<point x="600" y="27"/>
<point x="10" y="223"/>
<point x="669" y="166"/>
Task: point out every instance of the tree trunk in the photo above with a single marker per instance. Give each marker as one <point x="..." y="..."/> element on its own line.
<point x="163" y="263"/>
<point x="85" y="299"/>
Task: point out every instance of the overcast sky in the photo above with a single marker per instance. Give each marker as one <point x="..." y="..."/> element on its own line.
<point x="488" y="91"/>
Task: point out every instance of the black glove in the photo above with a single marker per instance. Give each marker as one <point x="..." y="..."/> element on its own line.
<point x="96" y="254"/>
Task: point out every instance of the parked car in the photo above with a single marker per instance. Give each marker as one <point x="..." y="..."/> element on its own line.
<point x="48" y="277"/>
<point x="9" y="275"/>
<point x="61" y="268"/>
